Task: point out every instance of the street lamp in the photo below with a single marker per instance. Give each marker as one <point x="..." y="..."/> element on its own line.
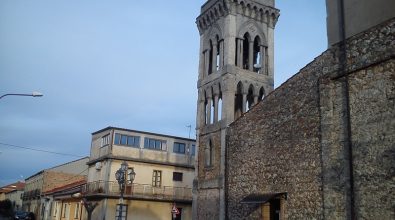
<point x="123" y="176"/>
<point x="34" y="94"/>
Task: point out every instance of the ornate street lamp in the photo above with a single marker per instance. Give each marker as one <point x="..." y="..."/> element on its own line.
<point x="123" y="176"/>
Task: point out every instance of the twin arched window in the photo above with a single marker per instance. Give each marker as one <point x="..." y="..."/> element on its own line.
<point x="209" y="154"/>
<point x="251" y="54"/>
<point x="213" y="56"/>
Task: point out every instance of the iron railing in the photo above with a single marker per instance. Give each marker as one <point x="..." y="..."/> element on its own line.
<point x="135" y="190"/>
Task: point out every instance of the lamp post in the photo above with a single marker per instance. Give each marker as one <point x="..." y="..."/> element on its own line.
<point x="34" y="94"/>
<point x="123" y="177"/>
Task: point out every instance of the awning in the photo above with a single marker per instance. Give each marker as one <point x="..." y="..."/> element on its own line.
<point x="262" y="198"/>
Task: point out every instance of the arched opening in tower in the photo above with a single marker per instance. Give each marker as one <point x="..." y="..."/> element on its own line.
<point x="257" y="55"/>
<point x="246" y="40"/>
<point x="250" y="98"/>
<point x="239" y="100"/>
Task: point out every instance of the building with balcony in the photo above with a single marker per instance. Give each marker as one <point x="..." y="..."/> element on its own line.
<point x="164" y="167"/>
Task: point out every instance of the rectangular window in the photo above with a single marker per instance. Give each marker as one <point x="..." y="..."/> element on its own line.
<point x="123" y="210"/>
<point x="105" y="140"/>
<point x="193" y="151"/>
<point x="130" y="174"/>
<point x="124" y="139"/>
<point x="77" y="210"/>
<point x="55" y="209"/>
<point x="179" y="148"/>
<point x="154" y="144"/>
<point x="177" y="176"/>
<point x="157" y="178"/>
<point x="127" y="140"/>
<point x="64" y="210"/>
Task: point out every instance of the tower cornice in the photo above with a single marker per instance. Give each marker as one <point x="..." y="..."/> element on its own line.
<point x="215" y="9"/>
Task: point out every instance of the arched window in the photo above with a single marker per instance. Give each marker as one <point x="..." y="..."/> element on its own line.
<point x="218" y="59"/>
<point x="261" y="94"/>
<point x="210" y="59"/>
<point x="239" y="100"/>
<point x="209" y="154"/>
<point x="220" y="108"/>
<point x="246" y="40"/>
<point x="206" y="108"/>
<point x="257" y="55"/>
<point x="250" y="97"/>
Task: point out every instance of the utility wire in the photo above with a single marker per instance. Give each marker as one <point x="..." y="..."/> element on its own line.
<point x="39" y="150"/>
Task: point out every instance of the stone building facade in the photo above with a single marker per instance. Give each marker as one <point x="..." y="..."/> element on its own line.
<point x="321" y="146"/>
<point x="235" y="72"/>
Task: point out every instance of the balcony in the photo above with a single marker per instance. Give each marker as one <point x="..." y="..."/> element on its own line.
<point x="110" y="189"/>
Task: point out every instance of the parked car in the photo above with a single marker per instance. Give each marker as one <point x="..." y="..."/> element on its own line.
<point x="21" y="215"/>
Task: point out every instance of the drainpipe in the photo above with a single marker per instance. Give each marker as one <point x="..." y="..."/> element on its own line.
<point x="347" y="119"/>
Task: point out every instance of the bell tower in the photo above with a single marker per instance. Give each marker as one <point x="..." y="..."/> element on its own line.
<point x="235" y="73"/>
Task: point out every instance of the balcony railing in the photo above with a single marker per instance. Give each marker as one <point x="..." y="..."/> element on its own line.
<point x="137" y="191"/>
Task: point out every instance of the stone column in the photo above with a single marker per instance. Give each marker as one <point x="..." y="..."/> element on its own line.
<point x="208" y="110"/>
<point x="201" y="111"/>
<point x="207" y="58"/>
<point x="255" y="100"/>
<point x="244" y="103"/>
<point x="263" y="60"/>
<point x="214" y="60"/>
<point x="221" y="54"/>
<point x="206" y="63"/>
<point x="215" y="108"/>
<point x="251" y="55"/>
<point x="241" y="53"/>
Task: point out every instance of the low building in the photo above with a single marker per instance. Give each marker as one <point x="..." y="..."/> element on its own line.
<point x="13" y="192"/>
<point x="34" y="199"/>
<point x="66" y="202"/>
<point x="164" y="167"/>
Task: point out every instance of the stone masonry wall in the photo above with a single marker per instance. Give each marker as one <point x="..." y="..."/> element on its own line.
<point x="208" y="186"/>
<point x="57" y="179"/>
<point x="370" y="62"/>
<point x="275" y="147"/>
<point x="293" y="141"/>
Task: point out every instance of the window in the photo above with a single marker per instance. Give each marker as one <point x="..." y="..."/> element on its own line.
<point x="193" y="151"/>
<point x="177" y="176"/>
<point x="179" y="148"/>
<point x="55" y="209"/>
<point x="209" y="155"/>
<point x="105" y="140"/>
<point x="65" y="211"/>
<point x="157" y="178"/>
<point x="129" y="173"/>
<point x="77" y="210"/>
<point x="127" y="140"/>
<point x="154" y="144"/>
<point x="123" y="209"/>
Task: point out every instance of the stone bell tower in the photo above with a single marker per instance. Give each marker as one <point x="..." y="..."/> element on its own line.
<point x="235" y="73"/>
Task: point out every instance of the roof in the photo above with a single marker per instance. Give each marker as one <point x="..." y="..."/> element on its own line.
<point x="262" y="198"/>
<point x="143" y="132"/>
<point x="12" y="187"/>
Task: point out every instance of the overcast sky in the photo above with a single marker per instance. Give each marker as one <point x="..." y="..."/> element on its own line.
<point x="123" y="63"/>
